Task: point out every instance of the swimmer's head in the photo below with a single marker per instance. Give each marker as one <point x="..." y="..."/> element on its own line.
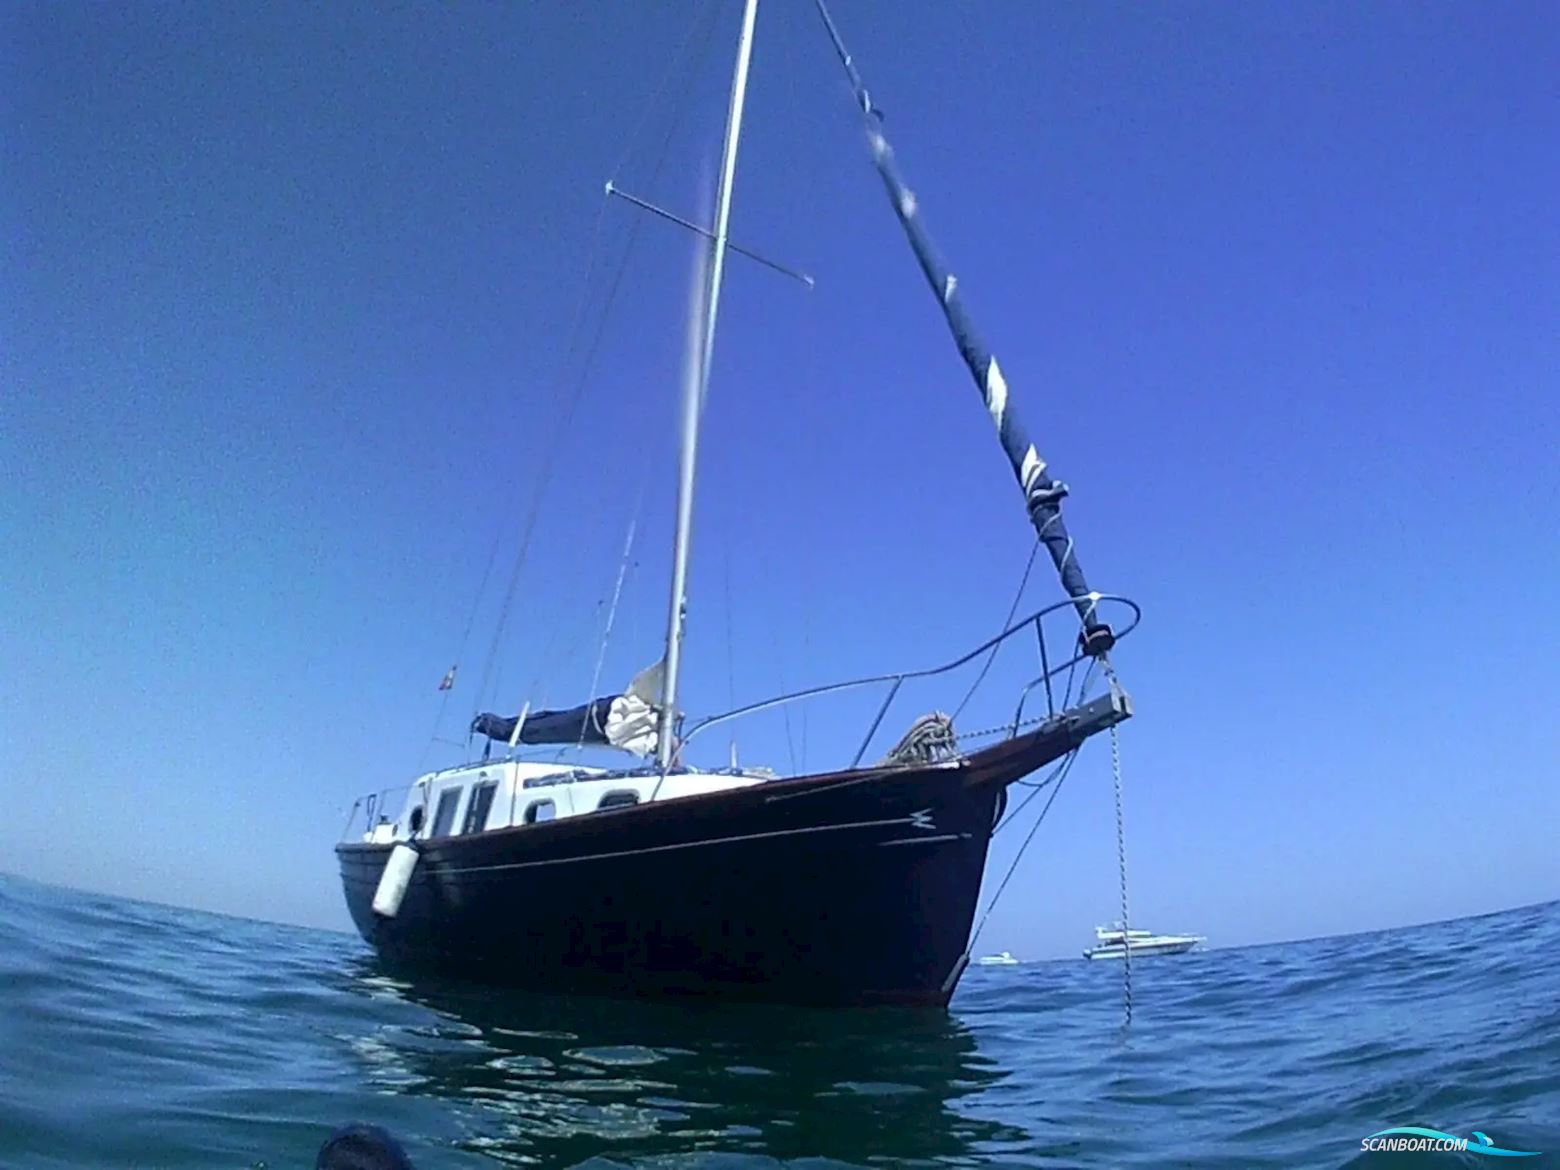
<point x="362" y="1147"/>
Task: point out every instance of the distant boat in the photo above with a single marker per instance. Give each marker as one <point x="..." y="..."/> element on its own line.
<point x="1114" y="942"/>
<point x="1002" y="959"/>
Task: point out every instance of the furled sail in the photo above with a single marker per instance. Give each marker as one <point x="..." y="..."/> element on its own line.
<point x="626" y="721"/>
<point x="1042" y="494"/>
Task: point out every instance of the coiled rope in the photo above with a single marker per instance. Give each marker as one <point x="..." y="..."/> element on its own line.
<point x="929" y="740"/>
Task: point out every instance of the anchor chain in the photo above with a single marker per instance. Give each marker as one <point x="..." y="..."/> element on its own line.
<point x="1121" y="850"/>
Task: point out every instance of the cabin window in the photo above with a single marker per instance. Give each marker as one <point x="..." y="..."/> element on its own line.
<point x="540" y="810"/>
<point x="477" y="811"/>
<point x="415" y="821"/>
<point x="444" y="815"/>
<point x="619" y="798"/>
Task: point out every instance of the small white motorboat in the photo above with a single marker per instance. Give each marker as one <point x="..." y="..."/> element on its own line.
<point x="1113" y="943"/>
<point x="1002" y="959"/>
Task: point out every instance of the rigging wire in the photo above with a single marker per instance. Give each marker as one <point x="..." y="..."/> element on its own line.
<point x="1072" y="671"/>
<point x="549" y="455"/>
<point x="465" y="640"/>
<point x="557" y="652"/>
<point x="806" y="659"/>
<point x="563" y="639"/>
<point x="550" y="449"/>
<point x="1054" y="782"/>
<point x="1006" y="622"/>
<point x="731" y="655"/>
<point x="711" y="11"/>
<point x="803" y="584"/>
<point x="813" y="366"/>
<point x="785" y="708"/>
<point x="617" y="594"/>
<point x="1036" y="787"/>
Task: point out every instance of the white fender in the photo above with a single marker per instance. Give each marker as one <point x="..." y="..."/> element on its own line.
<point x="393" y="883"/>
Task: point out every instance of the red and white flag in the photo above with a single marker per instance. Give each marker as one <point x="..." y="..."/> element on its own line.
<point x="448" y="682"/>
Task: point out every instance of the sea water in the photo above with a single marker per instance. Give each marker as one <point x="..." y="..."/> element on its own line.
<point x="135" y="1035"/>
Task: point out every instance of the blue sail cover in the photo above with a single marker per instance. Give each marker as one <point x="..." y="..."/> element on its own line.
<point x="584" y="724"/>
<point x="627" y="722"/>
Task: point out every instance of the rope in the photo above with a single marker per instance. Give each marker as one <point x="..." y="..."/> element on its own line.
<point x="929" y="740"/>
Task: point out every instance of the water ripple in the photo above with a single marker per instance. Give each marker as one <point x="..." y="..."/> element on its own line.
<point x="138" y="1035"/>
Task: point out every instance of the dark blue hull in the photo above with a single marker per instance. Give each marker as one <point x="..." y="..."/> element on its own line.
<point x="843" y="889"/>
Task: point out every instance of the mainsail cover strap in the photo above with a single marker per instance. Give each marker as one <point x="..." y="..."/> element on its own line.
<point x="1042" y="494"/>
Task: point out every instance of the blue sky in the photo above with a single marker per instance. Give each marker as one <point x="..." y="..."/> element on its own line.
<point x="285" y="323"/>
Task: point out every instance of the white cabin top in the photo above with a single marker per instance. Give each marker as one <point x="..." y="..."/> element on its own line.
<point x="475" y="798"/>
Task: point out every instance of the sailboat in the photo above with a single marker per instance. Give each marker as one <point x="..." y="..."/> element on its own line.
<point x="852" y="886"/>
